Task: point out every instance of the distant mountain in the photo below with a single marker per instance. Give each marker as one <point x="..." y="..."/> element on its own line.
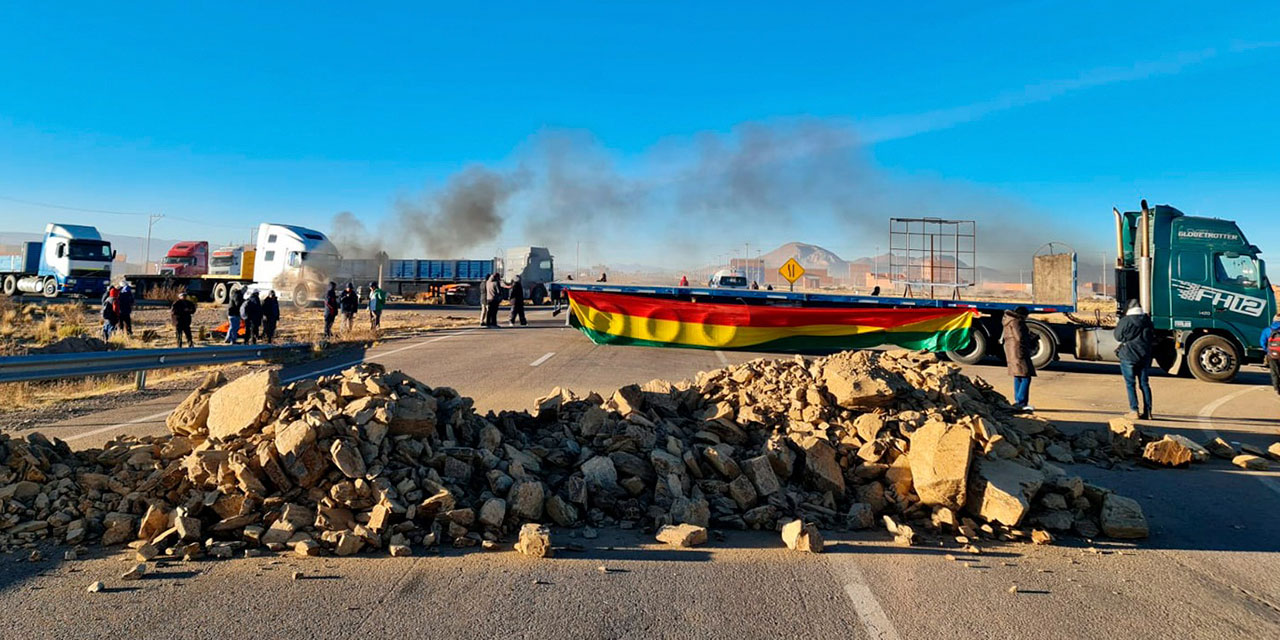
<point x="810" y="256"/>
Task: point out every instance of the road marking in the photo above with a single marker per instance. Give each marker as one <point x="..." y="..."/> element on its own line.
<point x="723" y="360"/>
<point x="1206" y="419"/>
<point x="864" y="601"/>
<point x="543" y="359"/>
<point x="158" y="416"/>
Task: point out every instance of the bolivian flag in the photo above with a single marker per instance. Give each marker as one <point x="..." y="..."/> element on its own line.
<point x="622" y="319"/>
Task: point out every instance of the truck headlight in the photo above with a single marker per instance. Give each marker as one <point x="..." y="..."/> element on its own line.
<point x="71" y="281"/>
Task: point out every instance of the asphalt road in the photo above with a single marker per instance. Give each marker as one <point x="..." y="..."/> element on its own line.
<point x="1210" y="570"/>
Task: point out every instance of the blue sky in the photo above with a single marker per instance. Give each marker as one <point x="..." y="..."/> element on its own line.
<point x="1032" y="117"/>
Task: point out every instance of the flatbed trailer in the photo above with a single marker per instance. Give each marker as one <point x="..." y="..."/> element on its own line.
<point x="1052" y="338"/>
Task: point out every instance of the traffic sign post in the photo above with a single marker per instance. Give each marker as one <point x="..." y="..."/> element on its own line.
<point x="791" y="271"/>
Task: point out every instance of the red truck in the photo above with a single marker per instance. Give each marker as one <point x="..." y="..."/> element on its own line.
<point x="187" y="258"/>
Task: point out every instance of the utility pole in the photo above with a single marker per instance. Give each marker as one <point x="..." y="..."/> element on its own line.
<point x="151" y="222"/>
<point x="577" y="258"/>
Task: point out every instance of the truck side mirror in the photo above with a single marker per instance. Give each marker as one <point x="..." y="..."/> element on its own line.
<point x="113" y="255"/>
<point x="62" y="250"/>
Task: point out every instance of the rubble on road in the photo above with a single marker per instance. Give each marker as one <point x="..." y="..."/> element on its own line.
<point x="371" y="460"/>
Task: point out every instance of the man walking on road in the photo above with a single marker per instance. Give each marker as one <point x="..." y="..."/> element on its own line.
<point x="330" y="308"/>
<point x="349" y="302"/>
<point x="251" y="312"/>
<point x="180" y="313"/>
<point x="233" y="316"/>
<point x="516" y="295"/>
<point x="1017" y="351"/>
<point x="492" y="299"/>
<point x="124" y="308"/>
<point x="1137" y="337"/>
<point x="377" y="302"/>
<point x="270" y="316"/>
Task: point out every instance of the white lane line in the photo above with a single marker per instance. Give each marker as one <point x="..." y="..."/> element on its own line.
<point x="864" y="601"/>
<point x="1206" y="420"/>
<point x="723" y="360"/>
<point x="352" y="363"/>
<point x="158" y="416"/>
<point x="543" y="359"/>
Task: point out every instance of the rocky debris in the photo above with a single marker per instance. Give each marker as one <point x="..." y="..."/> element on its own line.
<point x="1126" y="440"/>
<point x="1251" y="462"/>
<point x="903" y="534"/>
<point x="367" y="460"/>
<point x="1122" y="517"/>
<point x="799" y="535"/>
<point x="1220" y="448"/>
<point x="136" y="573"/>
<point x="1041" y="537"/>
<point x="1168" y="452"/>
<point x="96" y="587"/>
<point x="1274" y="450"/>
<point x="682" y="535"/>
<point x="534" y="540"/>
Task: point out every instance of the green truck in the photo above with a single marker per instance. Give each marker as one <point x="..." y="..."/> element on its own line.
<point x="1203" y="283"/>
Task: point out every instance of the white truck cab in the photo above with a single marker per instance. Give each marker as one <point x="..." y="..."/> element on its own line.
<point x="728" y="279"/>
<point x="296" y="262"/>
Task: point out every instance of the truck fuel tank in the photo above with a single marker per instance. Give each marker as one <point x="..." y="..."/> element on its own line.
<point x="1096" y="344"/>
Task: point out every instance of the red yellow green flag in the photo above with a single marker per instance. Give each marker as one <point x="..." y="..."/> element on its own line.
<point x="623" y="319"/>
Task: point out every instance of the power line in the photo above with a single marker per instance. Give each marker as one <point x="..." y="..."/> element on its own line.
<point x="67" y="208"/>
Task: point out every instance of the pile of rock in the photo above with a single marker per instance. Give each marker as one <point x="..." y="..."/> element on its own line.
<point x="1174" y="450"/>
<point x="370" y="459"/>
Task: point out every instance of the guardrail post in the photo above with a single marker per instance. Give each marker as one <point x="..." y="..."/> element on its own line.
<point x="140" y="380"/>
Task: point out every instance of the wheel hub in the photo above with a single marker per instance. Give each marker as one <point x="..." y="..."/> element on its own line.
<point x="1216" y="360"/>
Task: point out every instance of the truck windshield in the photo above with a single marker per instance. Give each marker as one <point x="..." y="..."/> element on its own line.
<point x="1239" y="270"/>
<point x="733" y="281"/>
<point x="90" y="250"/>
<point x="222" y="261"/>
<point x="177" y="260"/>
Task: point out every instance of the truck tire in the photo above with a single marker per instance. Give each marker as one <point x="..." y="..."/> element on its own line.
<point x="1170" y="360"/>
<point x="220" y="293"/>
<point x="10" y="286"/>
<point x="50" y="288"/>
<point x="539" y="295"/>
<point x="301" y="297"/>
<point x="1213" y="359"/>
<point x="1046" y="345"/>
<point x="976" y="350"/>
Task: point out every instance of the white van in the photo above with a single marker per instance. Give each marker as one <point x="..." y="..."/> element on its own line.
<point x="728" y="279"/>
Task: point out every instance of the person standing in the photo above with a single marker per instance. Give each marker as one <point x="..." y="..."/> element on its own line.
<point x="1017" y="341"/>
<point x="684" y="281"/>
<point x="1137" y="337"/>
<point x="180" y="312"/>
<point x="270" y="316"/>
<point x="349" y="303"/>
<point x="124" y="308"/>
<point x="493" y="299"/>
<point x="330" y="308"/>
<point x="516" y="296"/>
<point x="251" y="314"/>
<point x="233" y="316"/>
<point x="604" y="277"/>
<point x="377" y="302"/>
<point x="109" y="316"/>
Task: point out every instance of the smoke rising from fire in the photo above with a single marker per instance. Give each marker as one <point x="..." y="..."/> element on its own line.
<point x="685" y="199"/>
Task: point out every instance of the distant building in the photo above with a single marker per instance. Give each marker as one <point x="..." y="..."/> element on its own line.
<point x="751" y="268"/>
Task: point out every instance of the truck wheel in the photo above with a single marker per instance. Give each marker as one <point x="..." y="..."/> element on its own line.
<point x="1046" y="345"/>
<point x="50" y="288"/>
<point x="1169" y="360"/>
<point x="220" y="293"/>
<point x="301" y="297"/>
<point x="539" y="295"/>
<point x="975" y="352"/>
<point x="10" y="285"/>
<point x="234" y="290"/>
<point x="1213" y="359"/>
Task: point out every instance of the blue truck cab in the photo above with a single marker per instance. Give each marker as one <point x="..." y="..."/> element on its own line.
<point x="72" y="259"/>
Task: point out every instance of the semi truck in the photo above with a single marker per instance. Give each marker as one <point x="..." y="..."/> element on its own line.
<point x="191" y="267"/>
<point x="1201" y="280"/>
<point x="71" y="259"/>
<point x="455" y="280"/>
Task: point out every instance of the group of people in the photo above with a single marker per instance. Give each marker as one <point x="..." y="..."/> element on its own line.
<point x="491" y="301"/>
<point x="347" y="303"/>
<point x="117" y="311"/>
<point x="259" y="316"/>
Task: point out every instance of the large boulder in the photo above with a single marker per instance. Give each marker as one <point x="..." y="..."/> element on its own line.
<point x="822" y="470"/>
<point x="939" y="457"/>
<point x="1122" y="517"/>
<point x="238" y="408"/>
<point x="414" y="415"/>
<point x="856" y="381"/>
<point x="1002" y="491"/>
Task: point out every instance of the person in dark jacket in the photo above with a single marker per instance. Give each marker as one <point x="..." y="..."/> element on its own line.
<point x="251" y="315"/>
<point x="330" y="308"/>
<point x="180" y="313"/>
<point x="124" y="308"/>
<point x="109" y="318"/>
<point x="1137" y="338"/>
<point x="515" y="293"/>
<point x="348" y="303"/>
<point x="270" y="316"/>
<point x="233" y="316"/>
<point x="1017" y="340"/>
<point x="492" y="300"/>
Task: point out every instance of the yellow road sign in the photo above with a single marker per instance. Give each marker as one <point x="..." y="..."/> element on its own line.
<point x="791" y="270"/>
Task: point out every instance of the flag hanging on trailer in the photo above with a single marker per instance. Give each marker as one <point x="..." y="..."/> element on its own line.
<point x="623" y="319"/>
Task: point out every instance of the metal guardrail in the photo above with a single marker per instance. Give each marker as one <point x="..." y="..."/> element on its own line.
<point x="96" y="363"/>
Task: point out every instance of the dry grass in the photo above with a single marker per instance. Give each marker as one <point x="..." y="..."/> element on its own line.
<point x="35" y="324"/>
<point x="167" y="292"/>
<point x="37" y="395"/>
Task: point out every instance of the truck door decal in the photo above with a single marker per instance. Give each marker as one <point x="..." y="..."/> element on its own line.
<point x="1238" y="303"/>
